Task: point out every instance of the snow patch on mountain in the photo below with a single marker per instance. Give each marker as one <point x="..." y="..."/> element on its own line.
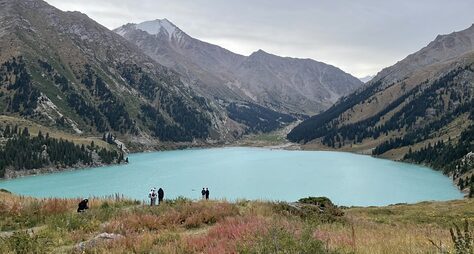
<point x="154" y="27"/>
<point x="121" y="31"/>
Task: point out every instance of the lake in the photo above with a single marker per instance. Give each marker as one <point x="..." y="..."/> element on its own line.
<point x="250" y="173"/>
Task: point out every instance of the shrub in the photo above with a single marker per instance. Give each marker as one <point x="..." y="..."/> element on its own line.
<point x="310" y="212"/>
<point x="178" y="213"/>
<point x="226" y="235"/>
<point x="463" y="240"/>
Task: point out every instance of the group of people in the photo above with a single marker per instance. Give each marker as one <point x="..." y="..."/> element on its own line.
<point x="160" y="194"/>
<point x="205" y="193"/>
<point x="153" y="195"/>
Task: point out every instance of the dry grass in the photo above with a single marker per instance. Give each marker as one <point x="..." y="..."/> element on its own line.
<point x="184" y="226"/>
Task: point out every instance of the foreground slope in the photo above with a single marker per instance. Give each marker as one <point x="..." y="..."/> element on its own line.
<point x="421" y="109"/>
<point x="65" y="70"/>
<point x="312" y="225"/>
<point x="290" y="85"/>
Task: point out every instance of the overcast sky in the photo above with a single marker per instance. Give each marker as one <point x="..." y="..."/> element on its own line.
<point x="359" y="36"/>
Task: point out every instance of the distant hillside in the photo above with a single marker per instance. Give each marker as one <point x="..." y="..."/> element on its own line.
<point x="423" y="105"/>
<point x="366" y="78"/>
<point x="289" y="85"/>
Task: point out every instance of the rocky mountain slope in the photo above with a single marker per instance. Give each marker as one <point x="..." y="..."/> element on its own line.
<point x="420" y="109"/>
<point x="63" y="69"/>
<point x="289" y="85"/>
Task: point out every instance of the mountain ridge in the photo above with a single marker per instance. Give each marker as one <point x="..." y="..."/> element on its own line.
<point x="418" y="110"/>
<point x="213" y="69"/>
<point x="92" y="78"/>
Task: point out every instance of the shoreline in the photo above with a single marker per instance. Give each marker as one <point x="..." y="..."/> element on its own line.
<point x="249" y="141"/>
<point x="283" y="147"/>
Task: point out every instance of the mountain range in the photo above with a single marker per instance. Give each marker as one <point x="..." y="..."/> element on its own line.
<point x="151" y="84"/>
<point x="288" y="85"/>
<point x="64" y="70"/>
<point x="421" y="109"/>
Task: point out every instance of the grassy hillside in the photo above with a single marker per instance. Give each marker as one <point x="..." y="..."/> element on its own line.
<point x="182" y="226"/>
<point x="412" y="111"/>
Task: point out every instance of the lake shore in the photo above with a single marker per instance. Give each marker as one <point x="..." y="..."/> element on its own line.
<point x="251" y="173"/>
<point x="275" y="141"/>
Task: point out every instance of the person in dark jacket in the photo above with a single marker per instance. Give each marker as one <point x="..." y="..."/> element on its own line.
<point x="203" y="193"/>
<point x="161" y="195"/>
<point x="82" y="207"/>
<point x="207" y="193"/>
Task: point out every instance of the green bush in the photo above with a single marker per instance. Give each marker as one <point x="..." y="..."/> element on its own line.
<point x="316" y="209"/>
<point x="319" y="201"/>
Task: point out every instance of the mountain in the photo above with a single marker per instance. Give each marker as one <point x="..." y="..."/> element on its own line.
<point x="366" y="78"/>
<point x="64" y="70"/>
<point x="421" y="109"/>
<point x="289" y="85"/>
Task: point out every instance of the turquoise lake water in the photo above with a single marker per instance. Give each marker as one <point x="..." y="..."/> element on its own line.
<point x="250" y="173"/>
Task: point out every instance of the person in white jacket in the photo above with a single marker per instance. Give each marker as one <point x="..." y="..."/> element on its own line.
<point x="152" y="195"/>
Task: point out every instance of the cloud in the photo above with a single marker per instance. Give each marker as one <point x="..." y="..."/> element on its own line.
<point x="360" y="37"/>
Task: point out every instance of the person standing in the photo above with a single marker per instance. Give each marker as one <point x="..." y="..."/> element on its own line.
<point x="203" y="193"/>
<point x="152" y="196"/>
<point x="207" y="193"/>
<point x="161" y="195"/>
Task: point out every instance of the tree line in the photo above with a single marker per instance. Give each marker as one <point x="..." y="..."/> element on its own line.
<point x="22" y="151"/>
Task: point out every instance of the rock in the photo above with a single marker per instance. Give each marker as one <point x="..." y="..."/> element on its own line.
<point x="97" y="240"/>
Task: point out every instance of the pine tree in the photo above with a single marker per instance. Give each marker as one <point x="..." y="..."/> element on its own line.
<point x="7" y="131"/>
<point x="461" y="184"/>
<point x="26" y="132"/>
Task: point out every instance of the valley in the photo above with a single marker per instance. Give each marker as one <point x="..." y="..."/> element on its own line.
<point x="150" y="86"/>
<point x="299" y="155"/>
<point x="150" y="100"/>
